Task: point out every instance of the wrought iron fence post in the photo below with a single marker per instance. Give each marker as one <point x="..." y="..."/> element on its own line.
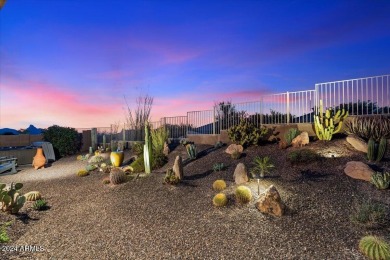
<point x="288" y="107"/>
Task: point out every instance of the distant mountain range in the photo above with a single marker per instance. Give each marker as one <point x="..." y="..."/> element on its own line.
<point x="32" y="130"/>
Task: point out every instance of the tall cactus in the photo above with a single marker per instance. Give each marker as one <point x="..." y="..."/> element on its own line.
<point x="371" y="149"/>
<point x="381" y="149"/>
<point x="329" y="123"/>
<point x="104" y="142"/>
<point x="147" y="148"/>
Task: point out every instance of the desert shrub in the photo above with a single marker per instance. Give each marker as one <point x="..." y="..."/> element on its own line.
<point x="65" y="140"/>
<point x="33" y="195"/>
<point x="170" y="177"/>
<point x="220" y="200"/>
<point x="236" y="155"/>
<point x="261" y="166"/>
<point x="302" y="156"/>
<point x="138" y="165"/>
<point x="374" y="248"/>
<point x="218" y="167"/>
<point x="82" y="173"/>
<point x="218" y="144"/>
<point x="243" y="194"/>
<point x="159" y="137"/>
<point x="97" y="159"/>
<point x="381" y="180"/>
<point x="370" y="214"/>
<point x="138" y="148"/>
<point x="4" y="238"/>
<point x="246" y="133"/>
<point x="290" y="135"/>
<point x="367" y="127"/>
<point x="40" y="204"/>
<point x="159" y="160"/>
<point x="219" y="185"/>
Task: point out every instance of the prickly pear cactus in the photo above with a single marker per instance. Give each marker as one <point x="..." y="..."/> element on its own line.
<point x="11" y="200"/>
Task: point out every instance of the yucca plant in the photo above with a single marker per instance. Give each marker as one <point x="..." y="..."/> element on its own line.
<point x="367" y="127"/>
<point x="261" y="167"/>
<point x="290" y="135"/>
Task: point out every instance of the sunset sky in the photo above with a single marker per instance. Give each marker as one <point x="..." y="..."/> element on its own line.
<point x="70" y="62"/>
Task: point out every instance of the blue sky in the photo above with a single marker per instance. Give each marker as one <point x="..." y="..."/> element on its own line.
<point x="71" y="62"/>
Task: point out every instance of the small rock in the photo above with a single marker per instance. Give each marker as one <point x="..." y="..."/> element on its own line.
<point x="178" y="168"/>
<point x="234" y="147"/>
<point x="301" y="140"/>
<point x="240" y="174"/>
<point x="357" y="143"/>
<point x="270" y="202"/>
<point x="358" y="170"/>
<point x="166" y="150"/>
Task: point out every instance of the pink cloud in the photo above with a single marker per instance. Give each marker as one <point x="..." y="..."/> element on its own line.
<point x="47" y="104"/>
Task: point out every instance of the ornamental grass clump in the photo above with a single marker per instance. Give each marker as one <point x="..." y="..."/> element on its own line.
<point x="217" y="167"/>
<point x="40" y="204"/>
<point x="243" y="194"/>
<point x="219" y="185"/>
<point x="371" y="214"/>
<point x="220" y="200"/>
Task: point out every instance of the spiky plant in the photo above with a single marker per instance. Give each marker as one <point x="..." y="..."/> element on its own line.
<point x="82" y="173"/>
<point x="219" y="185"/>
<point x="191" y="151"/>
<point x="117" y="176"/>
<point x="328" y="123"/>
<point x="374" y="248"/>
<point x="218" y="167"/>
<point x="243" y="194"/>
<point x="370" y="214"/>
<point x="290" y="135"/>
<point x="33" y="195"/>
<point x="159" y="137"/>
<point x="40" y="204"/>
<point x="261" y="166"/>
<point x="381" y="180"/>
<point x="148" y="154"/>
<point x="170" y="177"/>
<point x="220" y="200"/>
<point x="11" y="200"/>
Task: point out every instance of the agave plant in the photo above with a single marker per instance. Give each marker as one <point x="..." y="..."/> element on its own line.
<point x="261" y="167"/>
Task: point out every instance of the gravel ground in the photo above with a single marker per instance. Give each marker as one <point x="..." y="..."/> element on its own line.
<point x="145" y="219"/>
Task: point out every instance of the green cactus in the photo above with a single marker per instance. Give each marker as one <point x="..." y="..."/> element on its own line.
<point x="243" y="194"/>
<point x="170" y="177"/>
<point x="381" y="149"/>
<point x="148" y="149"/>
<point x="33" y="195"/>
<point x="219" y="185"/>
<point x="220" y="200"/>
<point x="90" y="167"/>
<point x="381" y="180"/>
<point x="329" y="123"/>
<point x="191" y="151"/>
<point x="371" y="149"/>
<point x="11" y="200"/>
<point x="374" y="248"/>
<point x="290" y="135"/>
<point x="82" y="173"/>
<point x="117" y="176"/>
<point x="104" y="142"/>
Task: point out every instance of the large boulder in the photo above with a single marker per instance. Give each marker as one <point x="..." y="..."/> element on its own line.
<point x="233" y="148"/>
<point x="240" y="174"/>
<point x="358" y="170"/>
<point x="178" y="168"/>
<point x="357" y="143"/>
<point x="270" y="202"/>
<point x="301" y="140"/>
<point x="166" y="150"/>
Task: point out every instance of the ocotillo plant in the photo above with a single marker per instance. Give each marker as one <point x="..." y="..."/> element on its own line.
<point x="329" y="123"/>
<point x="147" y="148"/>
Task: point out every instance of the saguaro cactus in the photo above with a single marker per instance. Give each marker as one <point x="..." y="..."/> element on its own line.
<point x="329" y="123"/>
<point x="148" y="148"/>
